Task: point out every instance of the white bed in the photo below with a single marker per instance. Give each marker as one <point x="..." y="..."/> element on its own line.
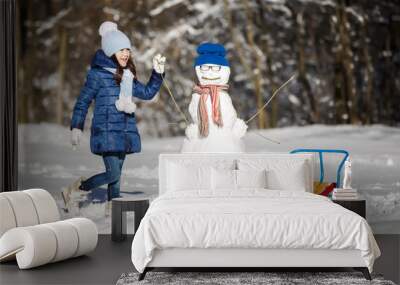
<point x="216" y="224"/>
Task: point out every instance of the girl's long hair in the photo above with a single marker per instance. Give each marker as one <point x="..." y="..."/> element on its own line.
<point x="120" y="69"/>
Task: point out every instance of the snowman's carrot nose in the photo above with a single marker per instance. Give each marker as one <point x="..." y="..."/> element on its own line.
<point x="272" y="97"/>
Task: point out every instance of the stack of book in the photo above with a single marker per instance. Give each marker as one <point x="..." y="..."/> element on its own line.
<point x="344" y="194"/>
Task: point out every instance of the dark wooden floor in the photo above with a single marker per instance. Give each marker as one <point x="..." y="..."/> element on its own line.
<point x="102" y="266"/>
<point x="110" y="260"/>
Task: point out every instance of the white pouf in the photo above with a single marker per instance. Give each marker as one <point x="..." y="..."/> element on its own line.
<point x="46" y="208"/>
<point x="87" y="233"/>
<point x="22" y="207"/>
<point x="7" y="216"/>
<point x="31" y="233"/>
<point x="33" y="246"/>
<point x="67" y="239"/>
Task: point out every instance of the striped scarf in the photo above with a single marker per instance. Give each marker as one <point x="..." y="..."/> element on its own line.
<point x="204" y="91"/>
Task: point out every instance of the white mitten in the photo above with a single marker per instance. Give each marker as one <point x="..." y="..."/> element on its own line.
<point x="192" y="131"/>
<point x="76" y="136"/>
<point x="239" y="128"/>
<point x="159" y="63"/>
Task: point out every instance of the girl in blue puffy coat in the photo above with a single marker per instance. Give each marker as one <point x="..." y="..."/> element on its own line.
<point x="111" y="82"/>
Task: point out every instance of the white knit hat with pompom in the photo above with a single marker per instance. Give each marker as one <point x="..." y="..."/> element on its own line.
<point x="112" y="39"/>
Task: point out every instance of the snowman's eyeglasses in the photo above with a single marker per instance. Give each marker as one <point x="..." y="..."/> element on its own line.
<point x="208" y="67"/>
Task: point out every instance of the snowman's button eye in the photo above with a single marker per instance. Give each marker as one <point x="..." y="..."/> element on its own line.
<point x="216" y="67"/>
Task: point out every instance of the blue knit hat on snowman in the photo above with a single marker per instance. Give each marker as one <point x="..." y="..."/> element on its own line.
<point x="212" y="54"/>
<point x="112" y="39"/>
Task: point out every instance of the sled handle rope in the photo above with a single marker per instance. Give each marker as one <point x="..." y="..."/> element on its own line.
<point x="173" y="99"/>
<point x="272" y="97"/>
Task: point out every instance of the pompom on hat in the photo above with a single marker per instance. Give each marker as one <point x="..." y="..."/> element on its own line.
<point x="211" y="53"/>
<point x="112" y="39"/>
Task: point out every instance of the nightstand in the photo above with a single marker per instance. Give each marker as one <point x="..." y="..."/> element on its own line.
<point x="135" y="203"/>
<point x="357" y="206"/>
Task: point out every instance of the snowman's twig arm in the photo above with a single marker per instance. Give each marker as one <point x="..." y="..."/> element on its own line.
<point x="268" y="139"/>
<point x="272" y="97"/>
<point x="173" y="99"/>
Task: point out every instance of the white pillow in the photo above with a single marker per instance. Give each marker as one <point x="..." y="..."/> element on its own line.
<point x="251" y="178"/>
<point x="293" y="180"/>
<point x="282" y="174"/>
<point x="229" y="179"/>
<point x="223" y="179"/>
<point x="182" y="177"/>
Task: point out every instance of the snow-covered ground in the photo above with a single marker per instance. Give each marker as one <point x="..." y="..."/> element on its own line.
<point x="47" y="160"/>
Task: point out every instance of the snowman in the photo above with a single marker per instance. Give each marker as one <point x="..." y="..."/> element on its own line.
<point x="215" y="127"/>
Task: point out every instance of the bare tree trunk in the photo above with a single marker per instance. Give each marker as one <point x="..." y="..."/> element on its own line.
<point x="271" y="118"/>
<point x="301" y="59"/>
<point x="337" y="79"/>
<point x="389" y="98"/>
<point x="369" y="74"/>
<point x="62" y="61"/>
<point x="341" y="107"/>
<point x="108" y="16"/>
<point x="317" y="58"/>
<point x="348" y="85"/>
<point x="394" y="28"/>
<point x="257" y="72"/>
<point x="254" y="75"/>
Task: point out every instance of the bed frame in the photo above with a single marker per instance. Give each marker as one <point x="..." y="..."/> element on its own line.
<point x="242" y="259"/>
<point x="246" y="258"/>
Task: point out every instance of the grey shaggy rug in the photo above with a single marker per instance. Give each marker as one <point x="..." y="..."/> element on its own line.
<point x="242" y="278"/>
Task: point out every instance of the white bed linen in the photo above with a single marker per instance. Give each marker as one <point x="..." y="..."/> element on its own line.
<point x="252" y="218"/>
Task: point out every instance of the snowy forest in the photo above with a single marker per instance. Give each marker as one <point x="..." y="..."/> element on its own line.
<point x="345" y="55"/>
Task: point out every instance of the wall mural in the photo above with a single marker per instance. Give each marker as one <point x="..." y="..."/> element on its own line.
<point x="201" y="77"/>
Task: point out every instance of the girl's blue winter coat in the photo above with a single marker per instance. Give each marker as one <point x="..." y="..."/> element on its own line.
<point x="112" y="130"/>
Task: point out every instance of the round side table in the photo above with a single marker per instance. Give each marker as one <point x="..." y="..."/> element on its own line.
<point x="137" y="203"/>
